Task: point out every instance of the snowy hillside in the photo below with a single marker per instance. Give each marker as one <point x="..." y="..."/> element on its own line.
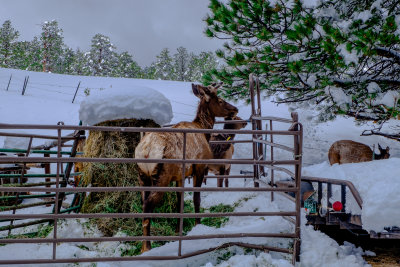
<point x="48" y="100"/>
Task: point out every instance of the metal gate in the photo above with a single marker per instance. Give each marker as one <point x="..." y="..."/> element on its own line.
<point x="259" y="161"/>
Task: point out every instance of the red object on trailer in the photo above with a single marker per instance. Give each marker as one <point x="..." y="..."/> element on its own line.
<point x="337" y="206"/>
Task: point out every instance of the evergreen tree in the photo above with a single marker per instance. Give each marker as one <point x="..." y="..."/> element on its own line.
<point x="8" y="40"/>
<point x="127" y="67"/>
<point x="52" y="46"/>
<point x="79" y="66"/>
<point x="20" y="60"/>
<point x="201" y="65"/>
<point x="164" y="69"/>
<point x="34" y="55"/>
<point x="68" y="60"/>
<point x="181" y="62"/>
<point x="341" y="56"/>
<point x="102" y="58"/>
<point x="149" y="72"/>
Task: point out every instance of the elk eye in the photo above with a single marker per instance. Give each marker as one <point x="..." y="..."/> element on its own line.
<point x="219" y="101"/>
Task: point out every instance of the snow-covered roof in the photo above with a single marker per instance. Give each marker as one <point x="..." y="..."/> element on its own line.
<point x="131" y="103"/>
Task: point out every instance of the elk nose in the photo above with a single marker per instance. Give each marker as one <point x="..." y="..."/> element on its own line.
<point x="234" y="112"/>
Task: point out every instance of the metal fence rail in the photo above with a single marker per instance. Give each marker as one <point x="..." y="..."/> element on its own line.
<point x="257" y="162"/>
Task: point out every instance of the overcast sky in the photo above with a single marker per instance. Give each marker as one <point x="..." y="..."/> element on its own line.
<point x="141" y="27"/>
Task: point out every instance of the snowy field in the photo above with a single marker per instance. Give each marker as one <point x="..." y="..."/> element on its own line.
<point x="48" y="100"/>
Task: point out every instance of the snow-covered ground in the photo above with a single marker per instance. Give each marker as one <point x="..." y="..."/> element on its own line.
<point x="48" y="100"/>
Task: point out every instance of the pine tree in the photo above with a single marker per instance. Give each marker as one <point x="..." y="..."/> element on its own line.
<point x="80" y="65"/>
<point x="341" y="56"/>
<point x="34" y="55"/>
<point x="8" y="40"/>
<point x="52" y="46"/>
<point x="202" y="64"/>
<point x="102" y="58"/>
<point x="20" y="53"/>
<point x="181" y="61"/>
<point x="127" y="67"/>
<point x="68" y="61"/>
<point x="149" y="72"/>
<point x="164" y="69"/>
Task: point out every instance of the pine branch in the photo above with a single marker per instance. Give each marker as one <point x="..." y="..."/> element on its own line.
<point x="379" y="133"/>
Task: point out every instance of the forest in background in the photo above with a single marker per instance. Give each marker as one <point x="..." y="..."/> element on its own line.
<point x="48" y="53"/>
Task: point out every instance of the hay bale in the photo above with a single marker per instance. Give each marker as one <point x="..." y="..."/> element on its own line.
<point x="119" y="145"/>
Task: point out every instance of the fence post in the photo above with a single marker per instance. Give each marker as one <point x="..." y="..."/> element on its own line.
<point x="260" y="152"/>
<point x="298" y="144"/>
<point x="9" y="82"/>
<point x="76" y="91"/>
<point x="254" y="127"/>
<point x="25" y="85"/>
<point x="272" y="159"/>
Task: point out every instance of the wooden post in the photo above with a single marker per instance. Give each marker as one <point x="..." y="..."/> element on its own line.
<point x="76" y="91"/>
<point x="9" y="82"/>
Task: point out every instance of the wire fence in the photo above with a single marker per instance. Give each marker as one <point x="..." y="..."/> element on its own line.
<point x="77" y="90"/>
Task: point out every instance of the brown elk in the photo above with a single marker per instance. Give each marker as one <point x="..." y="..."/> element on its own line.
<point x="224" y="151"/>
<point x="78" y="166"/>
<point x="168" y="145"/>
<point x="347" y="151"/>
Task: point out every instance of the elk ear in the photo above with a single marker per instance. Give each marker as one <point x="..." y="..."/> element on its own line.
<point x="219" y="85"/>
<point x="214" y="87"/>
<point x="387" y="149"/>
<point x="195" y="91"/>
<point x="201" y="92"/>
<point x="379" y="146"/>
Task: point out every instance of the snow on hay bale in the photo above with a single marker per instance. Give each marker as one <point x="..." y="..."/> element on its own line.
<point x="136" y="107"/>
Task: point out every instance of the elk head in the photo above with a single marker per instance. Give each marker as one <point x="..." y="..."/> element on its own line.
<point x="234" y="126"/>
<point x="210" y="100"/>
<point x="384" y="153"/>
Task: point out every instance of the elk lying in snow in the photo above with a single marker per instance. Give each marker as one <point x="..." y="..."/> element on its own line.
<point x="168" y="145"/>
<point x="347" y="151"/>
<point x="224" y="151"/>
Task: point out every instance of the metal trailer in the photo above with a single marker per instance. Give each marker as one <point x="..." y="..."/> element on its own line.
<point x="326" y="216"/>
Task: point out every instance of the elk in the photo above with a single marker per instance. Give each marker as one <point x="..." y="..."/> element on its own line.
<point x="169" y="145"/>
<point x="347" y="151"/>
<point x="78" y="166"/>
<point x="224" y="151"/>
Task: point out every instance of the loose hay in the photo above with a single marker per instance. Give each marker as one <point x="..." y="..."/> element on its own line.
<point x="120" y="145"/>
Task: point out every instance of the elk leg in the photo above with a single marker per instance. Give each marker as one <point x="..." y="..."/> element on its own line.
<point x="149" y="204"/>
<point x="197" y="181"/>
<point x="145" y="181"/>
<point x="221" y="180"/>
<point x="227" y="172"/>
<point x="179" y="196"/>
<point x="151" y="201"/>
<point x="205" y="173"/>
